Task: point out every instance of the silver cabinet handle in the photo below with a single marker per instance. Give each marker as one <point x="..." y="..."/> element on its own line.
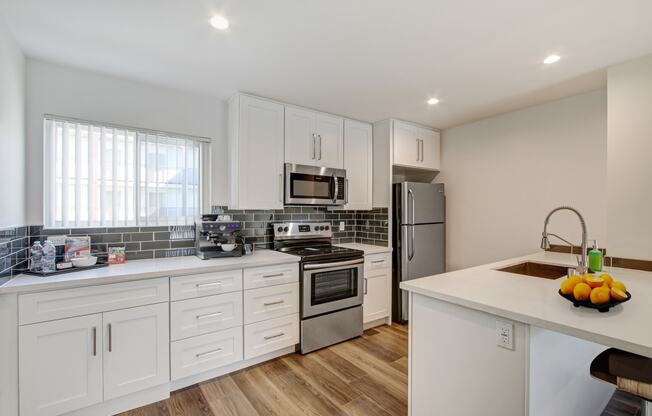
<point x="319" y="135"/>
<point x="274" y="336"/>
<point x="421" y="149"/>
<point x="266" y="276"/>
<point x="418" y="150"/>
<point x="110" y="338"/>
<point x="332" y="264"/>
<point x="210" y="284"/>
<point x="207" y="353"/>
<point x="365" y="285"/>
<point x="314" y="146"/>
<point x="94" y="335"/>
<point x="280" y="187"/>
<point x="377" y="261"/>
<point x="208" y="315"/>
<point x="278" y="302"/>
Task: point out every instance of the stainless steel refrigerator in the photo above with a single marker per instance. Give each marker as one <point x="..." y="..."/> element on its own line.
<point x="418" y="237"/>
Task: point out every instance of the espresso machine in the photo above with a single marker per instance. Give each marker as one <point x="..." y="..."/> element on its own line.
<point x="216" y="239"/>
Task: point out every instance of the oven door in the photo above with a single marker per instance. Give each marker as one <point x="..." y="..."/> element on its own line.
<point x="328" y="287"/>
<point x="311" y="185"/>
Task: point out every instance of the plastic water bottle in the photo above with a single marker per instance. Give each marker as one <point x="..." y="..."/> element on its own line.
<point x="36" y="257"/>
<point x="49" y="257"/>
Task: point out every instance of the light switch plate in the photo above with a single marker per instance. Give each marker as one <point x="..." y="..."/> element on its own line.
<point x="342" y="226"/>
<point x="505" y="334"/>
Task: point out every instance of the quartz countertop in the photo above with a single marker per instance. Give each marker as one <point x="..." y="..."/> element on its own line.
<point x="535" y="301"/>
<point x="144" y="269"/>
<point x="367" y="248"/>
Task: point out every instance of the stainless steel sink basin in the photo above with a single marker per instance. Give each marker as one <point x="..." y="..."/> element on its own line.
<point x="534" y="269"/>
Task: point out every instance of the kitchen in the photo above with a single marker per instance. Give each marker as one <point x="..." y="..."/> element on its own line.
<point x="305" y="172"/>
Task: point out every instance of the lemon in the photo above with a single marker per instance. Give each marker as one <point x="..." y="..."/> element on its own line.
<point x="600" y="295"/>
<point x="618" y="294"/>
<point x="569" y="284"/>
<point x="582" y="291"/>
<point x="607" y="278"/>
<point x="619" y="285"/>
<point x="594" y="281"/>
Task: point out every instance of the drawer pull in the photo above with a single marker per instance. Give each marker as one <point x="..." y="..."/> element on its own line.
<point x="278" y="302"/>
<point x="274" y="336"/>
<point x="209" y="315"/>
<point x="208" y="353"/>
<point x="273" y="275"/>
<point x="211" y="284"/>
<point x="94" y="341"/>
<point x="377" y="261"/>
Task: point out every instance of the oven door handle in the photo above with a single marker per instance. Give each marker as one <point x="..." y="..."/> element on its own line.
<point x="331" y="265"/>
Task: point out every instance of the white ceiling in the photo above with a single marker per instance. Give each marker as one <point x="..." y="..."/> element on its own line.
<point x="366" y="59"/>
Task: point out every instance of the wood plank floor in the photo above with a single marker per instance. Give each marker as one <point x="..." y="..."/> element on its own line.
<point x="364" y="376"/>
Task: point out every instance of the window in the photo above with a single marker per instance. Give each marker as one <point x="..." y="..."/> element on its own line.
<point x="104" y="175"/>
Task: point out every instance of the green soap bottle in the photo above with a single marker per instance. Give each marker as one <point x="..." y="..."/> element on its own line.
<point x="595" y="258"/>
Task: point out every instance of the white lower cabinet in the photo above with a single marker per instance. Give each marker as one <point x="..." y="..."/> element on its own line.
<point x="60" y="365"/>
<point x="192" y="317"/>
<point x="137" y="352"/>
<point x="271" y="335"/>
<point x="205" y="352"/>
<point x="271" y="302"/>
<point x="377" y="287"/>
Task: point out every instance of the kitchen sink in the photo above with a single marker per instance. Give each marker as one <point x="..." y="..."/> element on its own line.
<point x="534" y="269"/>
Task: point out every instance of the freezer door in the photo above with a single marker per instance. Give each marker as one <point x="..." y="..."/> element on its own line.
<point x="422" y="203"/>
<point x="423" y="253"/>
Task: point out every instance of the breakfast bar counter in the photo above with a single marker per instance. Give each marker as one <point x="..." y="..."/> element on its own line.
<point x="458" y="343"/>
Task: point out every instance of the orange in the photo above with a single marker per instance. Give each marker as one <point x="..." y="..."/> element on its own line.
<point x="594" y="281"/>
<point x="619" y="285"/>
<point x="582" y="291"/>
<point x="569" y="284"/>
<point x="607" y="278"/>
<point x="586" y="276"/>
<point x="618" y="294"/>
<point x="600" y="295"/>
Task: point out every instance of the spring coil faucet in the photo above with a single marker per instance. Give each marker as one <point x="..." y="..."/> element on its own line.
<point x="545" y="243"/>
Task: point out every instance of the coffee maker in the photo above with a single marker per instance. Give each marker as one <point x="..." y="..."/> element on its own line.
<point x="217" y="239"/>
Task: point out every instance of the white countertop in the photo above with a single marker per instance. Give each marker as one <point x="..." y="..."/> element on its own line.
<point x="144" y="269"/>
<point x="367" y="248"/>
<point x="535" y="301"/>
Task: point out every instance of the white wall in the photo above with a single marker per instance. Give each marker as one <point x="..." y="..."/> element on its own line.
<point x="629" y="206"/>
<point x="65" y="91"/>
<point x="505" y="173"/>
<point x="12" y="131"/>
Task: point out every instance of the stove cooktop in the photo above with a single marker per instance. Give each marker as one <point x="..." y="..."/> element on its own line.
<point x="322" y="252"/>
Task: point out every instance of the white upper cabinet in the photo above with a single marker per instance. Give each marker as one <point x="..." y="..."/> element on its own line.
<point x="313" y="138"/>
<point x="358" y="157"/>
<point x="415" y="147"/>
<point x="256" y="130"/>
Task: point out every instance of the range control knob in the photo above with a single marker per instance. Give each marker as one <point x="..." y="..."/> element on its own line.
<point x="222" y="227"/>
<point x="286" y="229"/>
<point x="327" y="228"/>
<point x="279" y="229"/>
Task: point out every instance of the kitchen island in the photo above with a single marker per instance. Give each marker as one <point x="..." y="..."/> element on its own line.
<point x="456" y="366"/>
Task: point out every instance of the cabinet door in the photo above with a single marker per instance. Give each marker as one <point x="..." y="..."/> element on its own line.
<point x="137" y="349"/>
<point x="300" y="137"/>
<point x="406" y="145"/>
<point x="430" y="148"/>
<point x="330" y="141"/>
<point x="260" y="155"/>
<point x="375" y="304"/>
<point x="60" y="365"/>
<point x="358" y="156"/>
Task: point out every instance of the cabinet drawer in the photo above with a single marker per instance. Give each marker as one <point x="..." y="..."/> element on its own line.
<point x="205" y="352"/>
<point x="205" y="284"/>
<point x="192" y="317"/>
<point x="377" y="264"/>
<point x="270" y="302"/>
<point x="65" y="303"/>
<point x="267" y="336"/>
<point x="271" y="275"/>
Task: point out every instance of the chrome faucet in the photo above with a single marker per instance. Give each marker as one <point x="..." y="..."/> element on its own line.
<point x="545" y="244"/>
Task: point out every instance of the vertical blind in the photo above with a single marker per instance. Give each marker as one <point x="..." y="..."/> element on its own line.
<point x="103" y="175"/>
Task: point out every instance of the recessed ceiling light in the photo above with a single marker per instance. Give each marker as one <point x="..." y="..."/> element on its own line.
<point x="551" y="59"/>
<point x="433" y="101"/>
<point x="219" y="22"/>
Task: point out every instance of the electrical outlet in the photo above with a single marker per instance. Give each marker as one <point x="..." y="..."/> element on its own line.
<point x="505" y="334"/>
<point x="342" y="226"/>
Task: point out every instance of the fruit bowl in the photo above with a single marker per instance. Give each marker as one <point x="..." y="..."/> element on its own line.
<point x="601" y="307"/>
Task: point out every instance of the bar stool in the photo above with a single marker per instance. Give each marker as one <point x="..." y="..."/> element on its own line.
<point x="629" y="372"/>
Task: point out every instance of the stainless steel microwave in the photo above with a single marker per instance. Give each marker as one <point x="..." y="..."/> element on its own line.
<point x="312" y="185"/>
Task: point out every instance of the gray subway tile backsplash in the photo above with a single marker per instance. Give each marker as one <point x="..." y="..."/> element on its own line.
<point x="14" y="247"/>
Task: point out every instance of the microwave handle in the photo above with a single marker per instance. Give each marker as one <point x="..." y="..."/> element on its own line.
<point x="336" y="188"/>
<point x="346" y="191"/>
